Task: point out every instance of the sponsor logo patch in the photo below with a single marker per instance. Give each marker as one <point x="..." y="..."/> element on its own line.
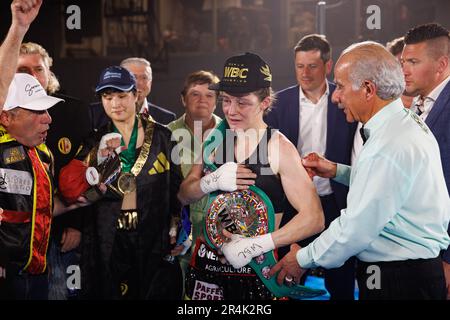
<point x="160" y="165"/>
<point x="207" y="260"/>
<point x="64" y="145"/>
<point x="13" y="155"/>
<point x="15" y="181"/>
<point x="207" y="291"/>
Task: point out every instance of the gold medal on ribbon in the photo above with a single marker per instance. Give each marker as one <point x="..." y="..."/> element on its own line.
<point x="126" y="182"/>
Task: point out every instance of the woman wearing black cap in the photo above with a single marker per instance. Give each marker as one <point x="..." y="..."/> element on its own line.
<point x="249" y="170"/>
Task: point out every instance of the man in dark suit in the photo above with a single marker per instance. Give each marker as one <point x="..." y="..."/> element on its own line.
<point x="305" y="114"/>
<point x="142" y="70"/>
<point x="426" y="66"/>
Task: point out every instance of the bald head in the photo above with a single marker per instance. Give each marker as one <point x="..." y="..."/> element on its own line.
<point x="372" y="62"/>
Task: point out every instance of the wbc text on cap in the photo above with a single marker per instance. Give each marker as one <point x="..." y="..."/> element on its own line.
<point x="244" y="73"/>
<point x="26" y="92"/>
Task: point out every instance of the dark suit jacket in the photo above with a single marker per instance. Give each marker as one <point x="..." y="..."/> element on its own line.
<point x="100" y="119"/>
<point x="70" y="123"/>
<point x="439" y="123"/>
<point x="285" y="117"/>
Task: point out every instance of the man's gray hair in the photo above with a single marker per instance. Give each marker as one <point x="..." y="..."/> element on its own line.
<point x="138" y="60"/>
<point x="374" y="63"/>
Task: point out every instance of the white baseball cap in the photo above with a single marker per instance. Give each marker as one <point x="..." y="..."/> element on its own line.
<point x="26" y="92"/>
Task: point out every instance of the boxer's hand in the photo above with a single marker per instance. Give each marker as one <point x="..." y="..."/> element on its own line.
<point x="241" y="250"/>
<point x="109" y="143"/>
<point x="229" y="177"/>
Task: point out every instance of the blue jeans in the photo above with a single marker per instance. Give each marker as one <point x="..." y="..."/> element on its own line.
<point x="58" y="262"/>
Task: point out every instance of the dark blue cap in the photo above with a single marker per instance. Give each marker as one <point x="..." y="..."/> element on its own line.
<point x="117" y="78"/>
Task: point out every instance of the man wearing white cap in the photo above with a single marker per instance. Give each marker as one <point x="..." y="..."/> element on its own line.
<point x="23" y="13"/>
<point x="26" y="186"/>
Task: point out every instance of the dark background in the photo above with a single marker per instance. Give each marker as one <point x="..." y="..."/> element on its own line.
<point x="269" y="30"/>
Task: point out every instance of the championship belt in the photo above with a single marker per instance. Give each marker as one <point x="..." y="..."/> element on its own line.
<point x="249" y="213"/>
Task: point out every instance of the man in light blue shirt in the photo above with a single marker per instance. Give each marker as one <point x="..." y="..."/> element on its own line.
<point x="398" y="207"/>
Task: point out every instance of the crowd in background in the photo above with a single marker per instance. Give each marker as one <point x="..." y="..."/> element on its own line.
<point x="356" y="168"/>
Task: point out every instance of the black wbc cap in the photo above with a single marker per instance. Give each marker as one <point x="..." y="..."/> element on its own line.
<point x="244" y="73"/>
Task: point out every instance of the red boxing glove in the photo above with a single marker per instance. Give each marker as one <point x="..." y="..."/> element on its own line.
<point x="72" y="180"/>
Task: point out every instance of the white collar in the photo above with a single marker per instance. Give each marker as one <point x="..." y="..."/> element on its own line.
<point x="144" y="106"/>
<point x="434" y="94"/>
<point x="303" y="97"/>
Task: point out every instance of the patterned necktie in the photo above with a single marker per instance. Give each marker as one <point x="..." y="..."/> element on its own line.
<point x="145" y="113"/>
<point x="363" y="135"/>
<point x="420" y="105"/>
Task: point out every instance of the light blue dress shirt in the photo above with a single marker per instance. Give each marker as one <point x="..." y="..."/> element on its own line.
<point x="398" y="204"/>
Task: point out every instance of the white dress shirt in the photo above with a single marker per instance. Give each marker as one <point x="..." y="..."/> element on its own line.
<point x="313" y="133"/>
<point x="144" y="107"/>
